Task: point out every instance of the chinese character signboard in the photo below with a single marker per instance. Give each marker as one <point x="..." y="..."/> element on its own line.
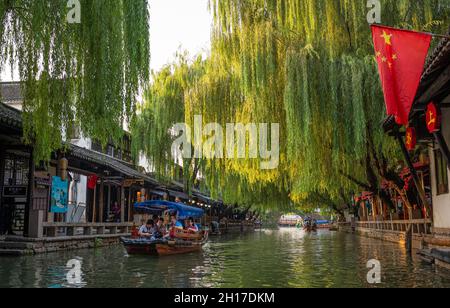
<point x="59" y="195"/>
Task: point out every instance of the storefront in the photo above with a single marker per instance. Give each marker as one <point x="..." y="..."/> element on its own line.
<point x="78" y="186"/>
<point x="15" y="174"/>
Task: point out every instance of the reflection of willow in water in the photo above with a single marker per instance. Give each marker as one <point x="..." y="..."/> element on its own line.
<point x="326" y="262"/>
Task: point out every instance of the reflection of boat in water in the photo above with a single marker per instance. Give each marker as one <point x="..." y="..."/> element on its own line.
<point x="180" y="241"/>
<point x="310" y="225"/>
<point x="310" y="228"/>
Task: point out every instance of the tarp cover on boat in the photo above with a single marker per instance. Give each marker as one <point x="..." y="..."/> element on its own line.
<point x="322" y="222"/>
<point x="184" y="211"/>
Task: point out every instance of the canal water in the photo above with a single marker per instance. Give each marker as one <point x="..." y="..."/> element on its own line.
<point x="267" y="258"/>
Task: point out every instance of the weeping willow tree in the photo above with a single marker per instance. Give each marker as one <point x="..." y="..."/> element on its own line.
<point x="307" y="65"/>
<point x="164" y="106"/>
<point x="83" y="75"/>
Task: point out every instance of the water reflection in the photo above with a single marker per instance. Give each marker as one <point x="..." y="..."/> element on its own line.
<point x="270" y="258"/>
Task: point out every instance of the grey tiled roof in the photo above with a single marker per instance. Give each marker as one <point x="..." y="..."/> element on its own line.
<point x="13" y="118"/>
<point x="109" y="162"/>
<point x="436" y="64"/>
<point x="10" y="116"/>
<point x="10" y="92"/>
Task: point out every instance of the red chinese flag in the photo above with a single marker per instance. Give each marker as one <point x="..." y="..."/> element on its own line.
<point x="401" y="58"/>
<point x="92" y="182"/>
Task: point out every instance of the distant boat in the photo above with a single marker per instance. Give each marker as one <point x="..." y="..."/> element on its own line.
<point x="323" y="224"/>
<point x="314" y="225"/>
<point x="290" y="221"/>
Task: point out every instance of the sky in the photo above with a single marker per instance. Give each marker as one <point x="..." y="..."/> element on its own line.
<point x="174" y="24"/>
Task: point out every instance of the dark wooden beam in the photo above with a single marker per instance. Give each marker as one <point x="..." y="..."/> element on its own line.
<point x="435" y="87"/>
<point x="446" y="102"/>
<point x="443" y="146"/>
<point x="414" y="174"/>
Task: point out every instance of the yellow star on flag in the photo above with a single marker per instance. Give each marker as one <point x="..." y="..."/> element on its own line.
<point x="394" y="57"/>
<point x="387" y="38"/>
<point x="378" y="54"/>
<point x="384" y="59"/>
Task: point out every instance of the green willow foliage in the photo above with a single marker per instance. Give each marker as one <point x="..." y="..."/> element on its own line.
<point x="84" y="75"/>
<point x="309" y="66"/>
<point x="164" y="106"/>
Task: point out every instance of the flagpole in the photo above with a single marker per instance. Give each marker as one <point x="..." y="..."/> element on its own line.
<point x="440" y="36"/>
<point x="444" y="36"/>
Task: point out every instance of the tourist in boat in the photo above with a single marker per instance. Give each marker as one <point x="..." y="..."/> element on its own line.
<point x="147" y="230"/>
<point x="174" y="225"/>
<point x="192" y="227"/>
<point x="160" y="228"/>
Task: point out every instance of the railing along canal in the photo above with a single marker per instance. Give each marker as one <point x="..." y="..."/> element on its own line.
<point x="53" y="230"/>
<point x="418" y="226"/>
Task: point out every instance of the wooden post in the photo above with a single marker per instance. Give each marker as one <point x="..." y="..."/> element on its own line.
<point x="29" y="205"/>
<point x="94" y="204"/>
<point x="129" y="204"/>
<point x="108" y="202"/>
<point x="122" y="203"/>
<point x="101" y="201"/>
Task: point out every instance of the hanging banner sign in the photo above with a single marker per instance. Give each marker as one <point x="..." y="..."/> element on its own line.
<point x="59" y="195"/>
<point x="433" y="117"/>
<point x="411" y="138"/>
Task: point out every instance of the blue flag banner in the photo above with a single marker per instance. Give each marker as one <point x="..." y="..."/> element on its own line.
<point x="59" y="195"/>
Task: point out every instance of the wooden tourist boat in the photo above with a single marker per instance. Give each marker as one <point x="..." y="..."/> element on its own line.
<point x="310" y="226"/>
<point x="179" y="242"/>
<point x="164" y="247"/>
<point x="138" y="246"/>
<point x="323" y="224"/>
<point x="180" y="246"/>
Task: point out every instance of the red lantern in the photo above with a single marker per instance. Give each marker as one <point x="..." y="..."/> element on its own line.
<point x="411" y="138"/>
<point x="433" y="117"/>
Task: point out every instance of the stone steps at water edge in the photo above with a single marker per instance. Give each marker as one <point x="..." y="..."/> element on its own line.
<point x="16" y="245"/>
<point x="16" y="252"/>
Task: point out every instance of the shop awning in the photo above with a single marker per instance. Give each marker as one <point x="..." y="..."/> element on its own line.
<point x="183" y="211"/>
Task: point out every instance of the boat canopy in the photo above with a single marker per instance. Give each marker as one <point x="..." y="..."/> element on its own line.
<point x="322" y="222"/>
<point x="158" y="206"/>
